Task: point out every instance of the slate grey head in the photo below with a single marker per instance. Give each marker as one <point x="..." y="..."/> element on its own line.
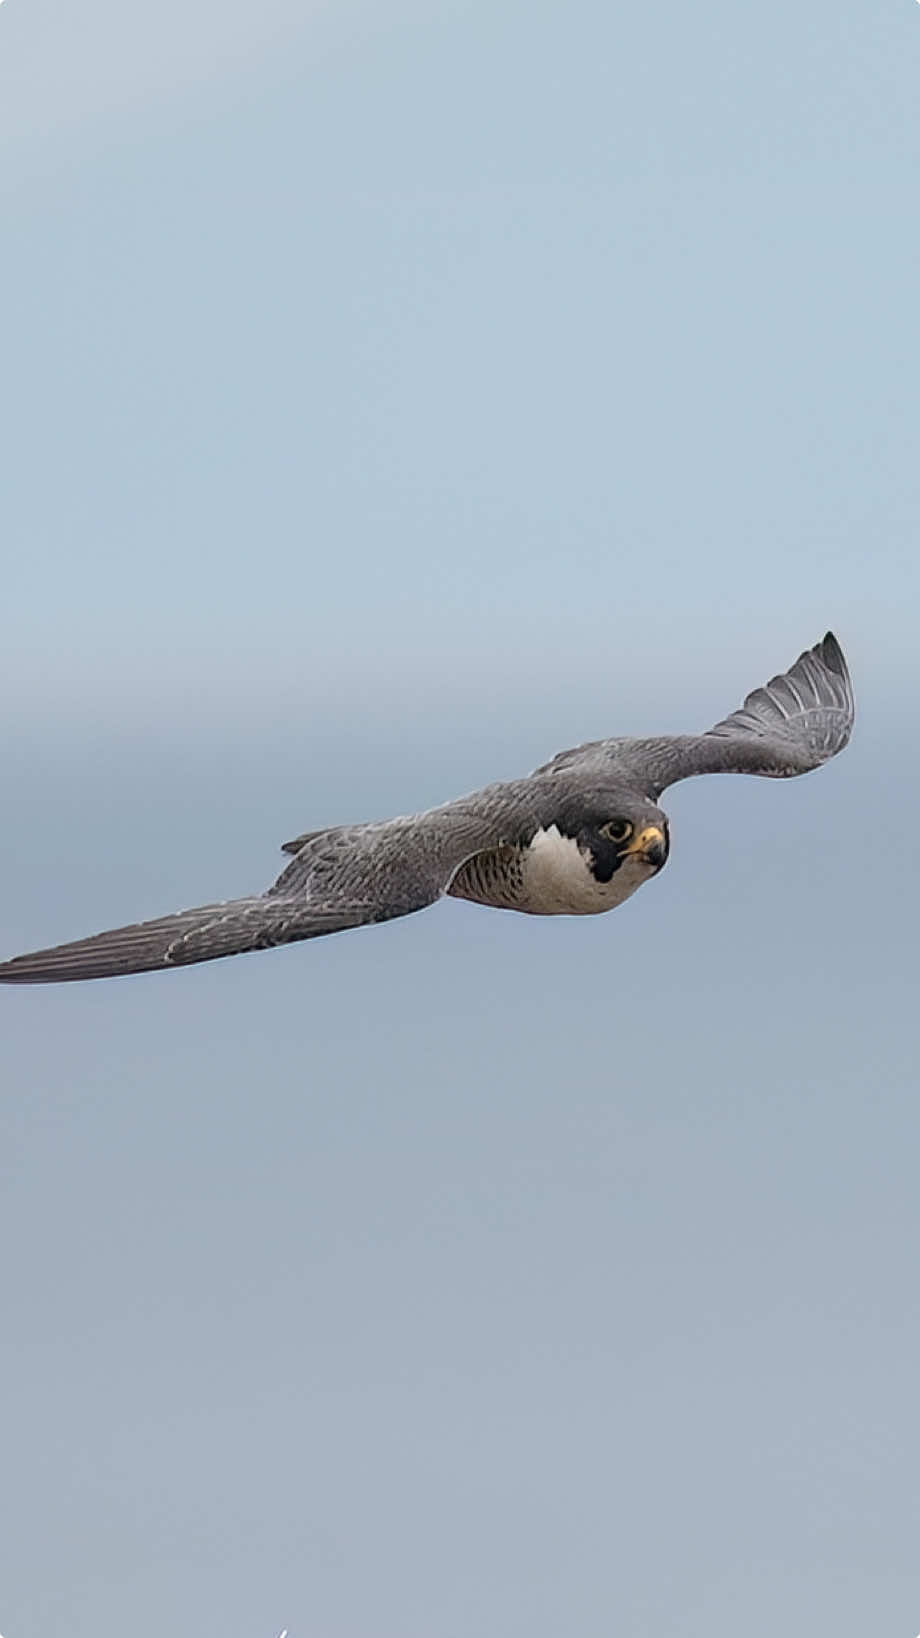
<point x="614" y="828"/>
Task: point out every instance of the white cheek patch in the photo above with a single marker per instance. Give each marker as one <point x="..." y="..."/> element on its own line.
<point x="558" y="856"/>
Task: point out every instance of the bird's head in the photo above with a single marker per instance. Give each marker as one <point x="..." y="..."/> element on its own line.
<point x="622" y="832"/>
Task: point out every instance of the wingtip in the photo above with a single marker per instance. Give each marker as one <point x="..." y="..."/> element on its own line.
<point x="832" y="653"/>
<point x="829" y="655"/>
<point x="834" y="659"/>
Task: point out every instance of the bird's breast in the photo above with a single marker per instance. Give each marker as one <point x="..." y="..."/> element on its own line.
<point x="551" y="876"/>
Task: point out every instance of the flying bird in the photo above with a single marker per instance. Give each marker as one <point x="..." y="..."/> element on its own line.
<point x="576" y="837"/>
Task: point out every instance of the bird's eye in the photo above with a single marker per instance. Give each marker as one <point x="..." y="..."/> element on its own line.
<point x="617" y="830"/>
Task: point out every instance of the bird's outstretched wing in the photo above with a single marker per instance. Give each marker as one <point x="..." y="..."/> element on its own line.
<point x="203" y="934"/>
<point x="790" y="726"/>
<point x="347" y="877"/>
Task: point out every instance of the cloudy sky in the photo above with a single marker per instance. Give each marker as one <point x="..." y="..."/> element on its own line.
<point x="393" y="394"/>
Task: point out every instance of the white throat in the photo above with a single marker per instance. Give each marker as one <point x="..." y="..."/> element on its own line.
<point x="558" y="880"/>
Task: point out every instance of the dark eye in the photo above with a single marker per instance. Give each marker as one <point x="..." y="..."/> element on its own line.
<point x="617" y="830"/>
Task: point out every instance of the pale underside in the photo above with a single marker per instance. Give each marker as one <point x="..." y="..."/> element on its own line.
<point x="551" y="877"/>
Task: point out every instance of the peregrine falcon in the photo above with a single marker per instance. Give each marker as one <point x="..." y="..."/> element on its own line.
<point x="576" y="837"/>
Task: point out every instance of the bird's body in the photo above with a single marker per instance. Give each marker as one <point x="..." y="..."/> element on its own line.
<point x="551" y="876"/>
<point x="577" y="837"/>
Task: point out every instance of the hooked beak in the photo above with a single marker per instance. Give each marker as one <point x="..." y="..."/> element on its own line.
<point x="651" y="846"/>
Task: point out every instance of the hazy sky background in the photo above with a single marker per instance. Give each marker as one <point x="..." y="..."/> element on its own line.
<point x="393" y="394"/>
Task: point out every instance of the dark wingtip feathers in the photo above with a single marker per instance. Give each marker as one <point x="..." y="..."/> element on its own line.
<point x="830" y="651"/>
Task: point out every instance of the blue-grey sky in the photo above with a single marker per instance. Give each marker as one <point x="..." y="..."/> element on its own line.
<point x="392" y="394"/>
